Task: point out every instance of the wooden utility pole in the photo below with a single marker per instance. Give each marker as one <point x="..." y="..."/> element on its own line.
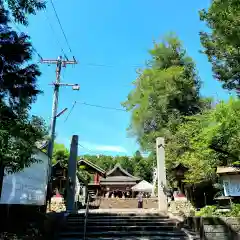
<point x="72" y="170"/>
<point x="161" y="175"/>
<point x="59" y="64"/>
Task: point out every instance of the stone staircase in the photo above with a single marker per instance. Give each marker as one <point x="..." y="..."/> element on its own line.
<point x="104" y="226"/>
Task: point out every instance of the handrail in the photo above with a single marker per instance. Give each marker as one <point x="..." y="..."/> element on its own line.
<point x="86" y="216"/>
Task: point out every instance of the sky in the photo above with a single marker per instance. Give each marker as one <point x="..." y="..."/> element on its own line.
<point x="110" y="39"/>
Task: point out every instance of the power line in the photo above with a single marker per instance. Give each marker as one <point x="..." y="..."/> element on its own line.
<point x="89" y="150"/>
<point x="100" y="106"/>
<point x="110" y="66"/>
<point x="59" y="22"/>
<point x="70" y="111"/>
<point x="55" y="35"/>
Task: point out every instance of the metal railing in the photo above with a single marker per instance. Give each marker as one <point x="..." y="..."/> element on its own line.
<point x="86" y="216"/>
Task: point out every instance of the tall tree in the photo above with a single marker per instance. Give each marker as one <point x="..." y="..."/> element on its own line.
<point x="165" y="91"/>
<point x="21" y="9"/>
<point x="19" y="132"/>
<point x="60" y="154"/>
<point x="143" y="167"/>
<point x="222" y="43"/>
<point x="205" y="141"/>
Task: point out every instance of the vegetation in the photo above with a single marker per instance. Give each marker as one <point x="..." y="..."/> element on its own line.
<point x="19" y="131"/>
<point x="212" y="211"/>
<point x="166" y="102"/>
<point x="221" y="44"/>
<point x="165" y="92"/>
<point x="207" y="140"/>
<point x="136" y="165"/>
<point x="21" y="9"/>
<point x="60" y="154"/>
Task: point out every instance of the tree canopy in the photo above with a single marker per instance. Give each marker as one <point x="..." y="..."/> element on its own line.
<point x="136" y="165"/>
<point x="166" y="102"/>
<point x="21" y="9"/>
<point x="207" y="140"/>
<point x="19" y="131"/>
<point x="222" y="43"/>
<point x="165" y="91"/>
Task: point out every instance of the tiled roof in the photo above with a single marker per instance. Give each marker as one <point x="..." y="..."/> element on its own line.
<point x="119" y="179"/>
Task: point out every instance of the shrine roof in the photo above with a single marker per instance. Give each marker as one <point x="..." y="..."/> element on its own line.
<point x="118" y="175"/>
<point x="119" y="171"/>
<point x="91" y="167"/>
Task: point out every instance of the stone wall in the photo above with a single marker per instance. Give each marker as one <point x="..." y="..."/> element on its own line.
<point x="148" y="203"/>
<point x="213" y="228"/>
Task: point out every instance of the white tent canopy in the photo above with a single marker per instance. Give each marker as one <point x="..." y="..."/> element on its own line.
<point x="143" y="186"/>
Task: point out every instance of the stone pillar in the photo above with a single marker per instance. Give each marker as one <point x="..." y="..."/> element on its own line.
<point x="161" y="174"/>
<point x="72" y="170"/>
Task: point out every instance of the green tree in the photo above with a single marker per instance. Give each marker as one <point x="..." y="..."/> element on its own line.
<point x="206" y="141"/>
<point x="19" y="131"/>
<point x="223" y="134"/>
<point x="190" y="147"/>
<point x="165" y="92"/>
<point x="21" y="9"/>
<point x="103" y="161"/>
<point x="126" y="162"/>
<point x="143" y="167"/>
<point x="60" y="154"/>
<point x="221" y="44"/>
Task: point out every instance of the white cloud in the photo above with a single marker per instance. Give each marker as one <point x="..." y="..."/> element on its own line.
<point x="92" y="147"/>
<point x="103" y="148"/>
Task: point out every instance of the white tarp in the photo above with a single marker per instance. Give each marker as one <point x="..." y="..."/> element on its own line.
<point x="143" y="186"/>
<point x="29" y="186"/>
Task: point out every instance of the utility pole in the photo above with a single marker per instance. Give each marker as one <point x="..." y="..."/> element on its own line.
<point x="59" y="64"/>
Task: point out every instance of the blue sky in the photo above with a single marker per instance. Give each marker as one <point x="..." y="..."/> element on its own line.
<point x="117" y="34"/>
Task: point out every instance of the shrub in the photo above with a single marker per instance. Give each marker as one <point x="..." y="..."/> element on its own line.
<point x="207" y="211"/>
<point x="212" y="211"/>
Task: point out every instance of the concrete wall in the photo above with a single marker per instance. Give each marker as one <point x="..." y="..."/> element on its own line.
<point x="213" y="228"/>
<point x="148" y="203"/>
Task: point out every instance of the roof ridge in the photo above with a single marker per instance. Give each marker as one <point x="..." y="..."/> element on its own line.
<point x="118" y="165"/>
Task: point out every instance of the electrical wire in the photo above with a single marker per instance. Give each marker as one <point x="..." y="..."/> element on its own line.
<point x="103" y="107"/>
<point x="89" y="150"/>
<point x="59" y="22"/>
<point x="70" y="111"/>
<point x="92" y="105"/>
<point x="55" y="35"/>
<point x="109" y="66"/>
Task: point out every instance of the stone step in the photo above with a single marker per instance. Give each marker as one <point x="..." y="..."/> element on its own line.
<point x="123" y="223"/>
<point x="118" y="217"/>
<point x="116" y="234"/>
<point x="119" y="228"/>
<point x="104" y="214"/>
<point x="130" y="238"/>
<point x="127" y="221"/>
